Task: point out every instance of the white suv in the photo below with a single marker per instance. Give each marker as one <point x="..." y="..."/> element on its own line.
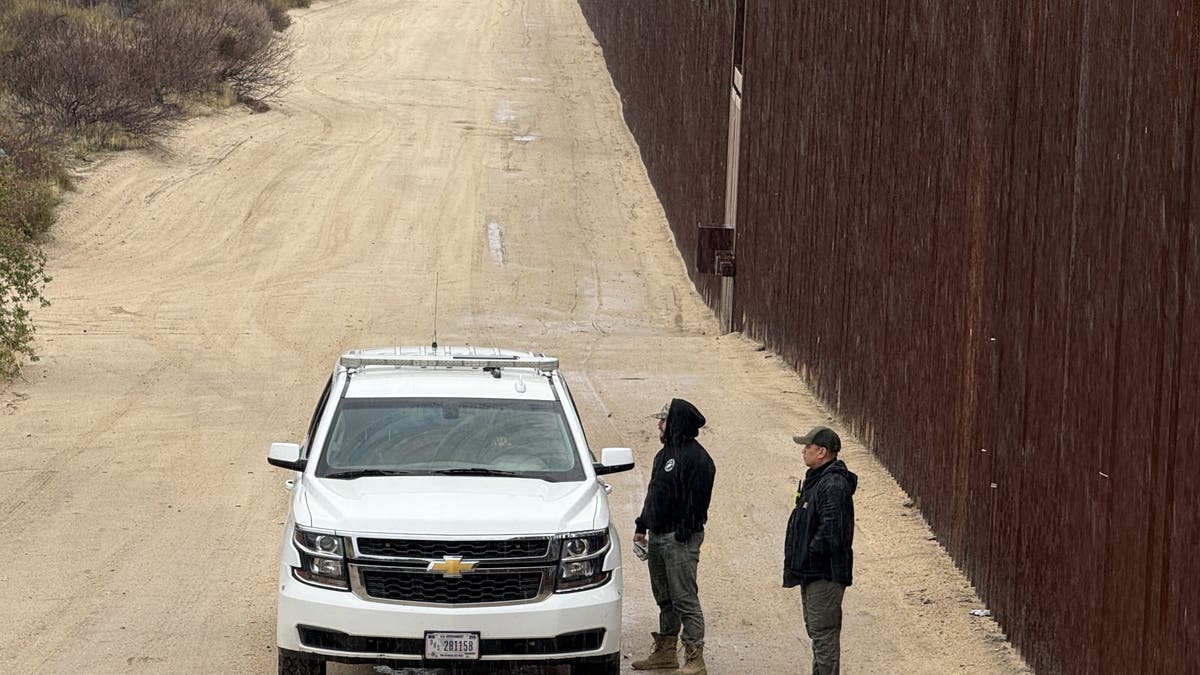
<point x="445" y="509"/>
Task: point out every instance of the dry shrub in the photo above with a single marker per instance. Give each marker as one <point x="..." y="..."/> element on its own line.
<point x="263" y="74"/>
<point x="33" y="150"/>
<point x="254" y="59"/>
<point x="86" y="71"/>
<point x="180" y="42"/>
<point x="31" y="178"/>
<point x="233" y="42"/>
<point x="80" y="71"/>
<point x="121" y="9"/>
<point x="277" y="13"/>
<point x="26" y="206"/>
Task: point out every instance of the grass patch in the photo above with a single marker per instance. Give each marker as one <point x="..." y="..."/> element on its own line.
<point x="219" y="98"/>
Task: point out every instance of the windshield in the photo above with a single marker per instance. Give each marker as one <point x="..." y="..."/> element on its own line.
<point x="406" y="436"/>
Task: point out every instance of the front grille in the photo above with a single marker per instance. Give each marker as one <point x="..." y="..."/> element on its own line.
<point x="419" y="586"/>
<point x="581" y="641"/>
<point x="418" y="548"/>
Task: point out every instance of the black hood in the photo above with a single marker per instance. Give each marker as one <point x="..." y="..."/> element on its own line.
<point x="836" y="466"/>
<point x="683" y="421"/>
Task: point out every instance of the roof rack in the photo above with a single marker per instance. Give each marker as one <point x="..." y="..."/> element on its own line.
<point x="536" y="362"/>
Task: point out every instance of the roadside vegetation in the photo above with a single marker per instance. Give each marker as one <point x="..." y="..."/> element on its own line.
<point x="83" y="76"/>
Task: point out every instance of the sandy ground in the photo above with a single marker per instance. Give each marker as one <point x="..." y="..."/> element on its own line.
<point x="202" y="291"/>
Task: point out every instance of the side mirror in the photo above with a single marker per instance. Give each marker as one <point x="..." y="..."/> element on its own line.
<point x="286" y="456"/>
<point x="613" y="460"/>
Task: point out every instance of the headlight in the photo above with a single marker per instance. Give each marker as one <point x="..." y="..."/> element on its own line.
<point x="581" y="564"/>
<point x="585" y="545"/>
<point x="575" y="547"/>
<point x="322" y="559"/>
<point x="319" y="543"/>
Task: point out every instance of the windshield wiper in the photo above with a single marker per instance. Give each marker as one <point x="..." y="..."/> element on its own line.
<point x="477" y="472"/>
<point x="362" y="473"/>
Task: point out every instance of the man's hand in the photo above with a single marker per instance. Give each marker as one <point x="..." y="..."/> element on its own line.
<point x="640" y="545"/>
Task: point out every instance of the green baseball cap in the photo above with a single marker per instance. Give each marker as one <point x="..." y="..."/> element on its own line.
<point x="823" y="436"/>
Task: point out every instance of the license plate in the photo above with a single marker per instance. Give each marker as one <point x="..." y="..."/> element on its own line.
<point x="452" y="646"/>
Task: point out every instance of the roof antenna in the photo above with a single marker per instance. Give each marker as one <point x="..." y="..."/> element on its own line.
<point x="435" y="290"/>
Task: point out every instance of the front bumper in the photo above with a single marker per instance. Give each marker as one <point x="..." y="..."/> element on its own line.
<point x="340" y="626"/>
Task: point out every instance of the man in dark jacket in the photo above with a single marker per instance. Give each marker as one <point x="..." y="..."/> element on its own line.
<point x="672" y="526"/>
<point x="818" y="555"/>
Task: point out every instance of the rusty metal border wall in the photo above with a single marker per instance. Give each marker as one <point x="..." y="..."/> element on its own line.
<point x="972" y="226"/>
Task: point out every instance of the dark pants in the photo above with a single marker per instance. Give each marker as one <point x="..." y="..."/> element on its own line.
<point x="823" y="618"/>
<point x="673" y="580"/>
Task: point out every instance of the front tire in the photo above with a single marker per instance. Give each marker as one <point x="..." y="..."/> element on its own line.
<point x="604" y="665"/>
<point x="298" y="663"/>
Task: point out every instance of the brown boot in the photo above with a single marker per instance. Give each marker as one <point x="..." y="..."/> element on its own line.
<point x="693" y="663"/>
<point x="665" y="654"/>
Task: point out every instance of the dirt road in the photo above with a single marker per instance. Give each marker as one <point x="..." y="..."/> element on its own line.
<point x="202" y="291"/>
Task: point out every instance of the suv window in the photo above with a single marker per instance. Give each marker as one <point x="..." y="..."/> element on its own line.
<point x="429" y="436"/>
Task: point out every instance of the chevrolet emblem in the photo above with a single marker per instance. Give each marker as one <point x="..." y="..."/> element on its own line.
<point x="451" y="567"/>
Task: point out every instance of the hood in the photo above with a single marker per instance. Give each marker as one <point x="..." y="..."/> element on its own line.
<point x="836" y="466"/>
<point x="684" y="421"/>
<point x="452" y="505"/>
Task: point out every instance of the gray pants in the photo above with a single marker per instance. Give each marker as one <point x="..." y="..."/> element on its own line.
<point x="673" y="580"/>
<point x="823" y="618"/>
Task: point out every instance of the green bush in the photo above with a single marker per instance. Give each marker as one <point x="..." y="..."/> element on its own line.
<point x="22" y="279"/>
<point x="24" y="207"/>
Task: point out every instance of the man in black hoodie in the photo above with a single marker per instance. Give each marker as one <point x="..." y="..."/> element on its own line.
<point x="818" y="555"/>
<point x="672" y="527"/>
